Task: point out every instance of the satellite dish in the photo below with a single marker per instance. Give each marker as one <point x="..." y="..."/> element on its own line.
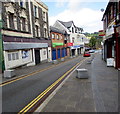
<point x="102" y="10"/>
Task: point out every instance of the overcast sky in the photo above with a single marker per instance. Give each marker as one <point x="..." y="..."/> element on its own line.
<point x="85" y="14"/>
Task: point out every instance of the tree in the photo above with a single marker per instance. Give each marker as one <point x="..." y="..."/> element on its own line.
<point x="92" y="42"/>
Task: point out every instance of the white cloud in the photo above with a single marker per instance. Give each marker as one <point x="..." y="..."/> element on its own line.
<point x="87" y="18"/>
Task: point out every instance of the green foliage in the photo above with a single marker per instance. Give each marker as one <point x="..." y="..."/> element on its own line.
<point x="92" y="42"/>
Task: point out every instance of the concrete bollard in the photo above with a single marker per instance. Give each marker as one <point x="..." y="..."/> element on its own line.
<point x="62" y="59"/>
<point x="9" y="73"/>
<point x="54" y="61"/>
<point x="82" y="73"/>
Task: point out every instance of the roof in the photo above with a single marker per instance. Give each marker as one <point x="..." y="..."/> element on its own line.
<point x="54" y="29"/>
<point x="67" y="24"/>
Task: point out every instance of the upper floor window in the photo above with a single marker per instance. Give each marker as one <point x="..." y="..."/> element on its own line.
<point x="57" y="36"/>
<point x="61" y="37"/>
<point x="22" y="3"/>
<point x="35" y="11"/>
<point x="53" y="36"/>
<point x="72" y="30"/>
<point x="44" y="16"/>
<point x="11" y="20"/>
<point x="36" y="30"/>
<point x="23" y="24"/>
<point x="45" y="32"/>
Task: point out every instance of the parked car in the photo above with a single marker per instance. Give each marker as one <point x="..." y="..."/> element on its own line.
<point x="86" y="54"/>
<point x="92" y="51"/>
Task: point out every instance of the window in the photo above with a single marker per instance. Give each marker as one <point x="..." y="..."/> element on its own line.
<point x="22" y="3"/>
<point x="57" y="37"/>
<point x="73" y="40"/>
<point x="45" y="32"/>
<point x="11" y="20"/>
<point x="23" y="22"/>
<point x="13" y="56"/>
<point x="35" y="11"/>
<point x="61" y="37"/>
<point x="72" y="30"/>
<point x="9" y="57"/>
<point x="43" y="16"/>
<point x="53" y="36"/>
<point x="36" y="29"/>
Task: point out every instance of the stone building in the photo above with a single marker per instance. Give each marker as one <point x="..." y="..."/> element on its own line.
<point x="25" y="33"/>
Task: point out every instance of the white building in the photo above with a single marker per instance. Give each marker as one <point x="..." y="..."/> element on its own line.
<point x="76" y="36"/>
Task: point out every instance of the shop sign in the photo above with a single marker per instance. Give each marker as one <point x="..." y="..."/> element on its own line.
<point x="101" y="33"/>
<point x="110" y="30"/>
<point x="69" y="44"/>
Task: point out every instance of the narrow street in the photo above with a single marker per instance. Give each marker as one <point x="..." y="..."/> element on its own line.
<point x="18" y="94"/>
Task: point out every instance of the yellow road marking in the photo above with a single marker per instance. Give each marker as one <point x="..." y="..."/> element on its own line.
<point x="5" y="83"/>
<point x="32" y="103"/>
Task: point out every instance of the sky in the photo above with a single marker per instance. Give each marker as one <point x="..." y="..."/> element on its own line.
<point x="85" y="14"/>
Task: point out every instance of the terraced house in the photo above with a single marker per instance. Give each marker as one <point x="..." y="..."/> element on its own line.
<point x="25" y="33"/>
<point x="111" y="21"/>
<point x="76" y="38"/>
<point x="59" y="40"/>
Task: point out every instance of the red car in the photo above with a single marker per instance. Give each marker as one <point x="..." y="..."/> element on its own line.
<point x="86" y="54"/>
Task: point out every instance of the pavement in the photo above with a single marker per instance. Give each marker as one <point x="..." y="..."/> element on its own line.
<point x="98" y="93"/>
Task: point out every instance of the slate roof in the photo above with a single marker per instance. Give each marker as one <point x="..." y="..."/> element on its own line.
<point x="66" y="24"/>
<point x="54" y="29"/>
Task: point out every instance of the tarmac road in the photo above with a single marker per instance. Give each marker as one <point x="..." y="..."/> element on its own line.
<point x="16" y="95"/>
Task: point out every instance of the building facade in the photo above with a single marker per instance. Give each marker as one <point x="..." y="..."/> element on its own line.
<point x="111" y="22"/>
<point x="76" y="37"/>
<point x="25" y="33"/>
<point x="59" y="43"/>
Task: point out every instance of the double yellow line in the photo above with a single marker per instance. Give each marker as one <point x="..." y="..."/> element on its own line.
<point x="32" y="103"/>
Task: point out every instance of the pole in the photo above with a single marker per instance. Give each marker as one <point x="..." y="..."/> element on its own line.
<point x="2" y="67"/>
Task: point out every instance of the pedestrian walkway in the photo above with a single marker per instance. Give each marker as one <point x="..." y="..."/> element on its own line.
<point x="98" y="93"/>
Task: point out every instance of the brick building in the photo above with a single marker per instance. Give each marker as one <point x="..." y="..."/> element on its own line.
<point x="111" y="22"/>
<point x="59" y="40"/>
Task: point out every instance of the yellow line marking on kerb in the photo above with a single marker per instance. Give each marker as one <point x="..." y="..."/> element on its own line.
<point x="32" y="103"/>
<point x="35" y="72"/>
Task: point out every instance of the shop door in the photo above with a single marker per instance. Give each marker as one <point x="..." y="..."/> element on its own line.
<point x="58" y="51"/>
<point x="37" y="56"/>
<point x="63" y="53"/>
<point x="53" y="54"/>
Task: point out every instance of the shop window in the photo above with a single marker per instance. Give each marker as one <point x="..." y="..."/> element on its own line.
<point x="9" y="57"/>
<point x="13" y="56"/>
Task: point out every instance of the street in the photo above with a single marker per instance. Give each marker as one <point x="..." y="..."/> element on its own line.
<point x="18" y="94"/>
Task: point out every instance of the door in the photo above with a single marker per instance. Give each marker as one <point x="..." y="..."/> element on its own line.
<point x="58" y="53"/>
<point x="63" y="53"/>
<point x="37" y="56"/>
<point x="53" y="54"/>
